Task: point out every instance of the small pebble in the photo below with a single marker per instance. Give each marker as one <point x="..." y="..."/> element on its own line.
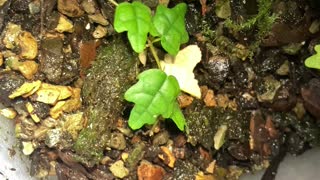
<point x="118" y="169"/>
<point x="148" y="171"/>
<point x="117" y="141"/>
<point x="160" y="138"/>
<point x="100" y="32"/>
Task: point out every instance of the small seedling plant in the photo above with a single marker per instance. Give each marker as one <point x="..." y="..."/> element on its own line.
<point x="156" y="92"/>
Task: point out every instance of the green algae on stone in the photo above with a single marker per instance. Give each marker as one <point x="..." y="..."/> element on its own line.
<point x="112" y="73"/>
<point x="203" y="123"/>
<point x="233" y="49"/>
<point x="184" y="170"/>
<point x="135" y="155"/>
<point x="256" y="26"/>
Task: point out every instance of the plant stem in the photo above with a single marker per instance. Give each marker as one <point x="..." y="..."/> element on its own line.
<point x="113" y="2"/>
<point x="154" y="53"/>
<point x="154" y="126"/>
<point x="156" y="40"/>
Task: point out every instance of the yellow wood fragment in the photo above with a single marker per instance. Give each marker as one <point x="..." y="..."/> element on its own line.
<point x="56" y="110"/>
<point x="219" y="136"/>
<point x="27" y="89"/>
<point x="202" y="176"/>
<point x="48" y="96"/>
<point x="30" y="109"/>
<point x="167" y="157"/>
<point x="74" y="102"/>
<point x="211" y="167"/>
<point x="65" y="91"/>
<point x="69" y="105"/>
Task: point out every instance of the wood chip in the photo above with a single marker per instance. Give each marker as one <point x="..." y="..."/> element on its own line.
<point x="57" y="110"/>
<point x="167" y="156"/>
<point x="30" y="110"/>
<point x="211" y="167"/>
<point x="74" y="102"/>
<point x="65" y="91"/>
<point x="68" y="105"/>
<point x="202" y="176"/>
<point x="26" y="89"/>
<point x="50" y="94"/>
<point x="219" y="136"/>
<point x="46" y="95"/>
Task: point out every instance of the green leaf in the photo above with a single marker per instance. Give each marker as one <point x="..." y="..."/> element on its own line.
<point x="136" y="19"/>
<point x="314" y="60"/>
<point x="170" y="26"/>
<point x="155" y="94"/>
<point x="178" y="117"/>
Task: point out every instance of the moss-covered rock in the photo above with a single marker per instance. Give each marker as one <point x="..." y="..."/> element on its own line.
<point x="112" y="73"/>
<point x="203" y="123"/>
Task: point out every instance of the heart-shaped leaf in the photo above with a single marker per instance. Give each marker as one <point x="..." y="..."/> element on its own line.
<point x="155" y="94"/>
<point x="170" y="26"/>
<point x="136" y="19"/>
<point x="314" y="60"/>
<point x="182" y="68"/>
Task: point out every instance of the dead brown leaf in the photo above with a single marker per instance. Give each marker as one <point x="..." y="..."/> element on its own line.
<point x="87" y="53"/>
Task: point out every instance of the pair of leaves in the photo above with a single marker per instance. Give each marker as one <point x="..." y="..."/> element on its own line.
<point x="168" y="24"/>
<point x="314" y="60"/>
<point x="155" y="94"/>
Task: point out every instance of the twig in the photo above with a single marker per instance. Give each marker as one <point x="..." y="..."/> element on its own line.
<point x="113" y="2"/>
